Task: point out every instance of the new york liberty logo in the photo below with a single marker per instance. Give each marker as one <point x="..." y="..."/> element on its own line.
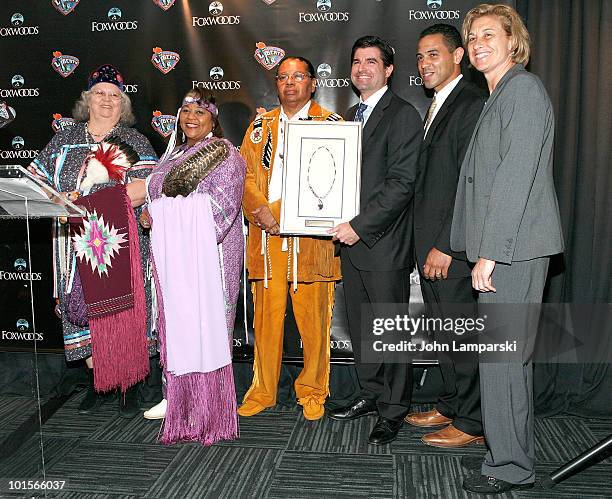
<point x="65" y="6"/>
<point x="267" y="55"/>
<point x="64" y="64"/>
<point x="164" y="124"/>
<point x="164" y="60"/>
<point x="164" y="4"/>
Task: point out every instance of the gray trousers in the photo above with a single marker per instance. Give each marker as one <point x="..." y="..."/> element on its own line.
<point x="506" y="388"/>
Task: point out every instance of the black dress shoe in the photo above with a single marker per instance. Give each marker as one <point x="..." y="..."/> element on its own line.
<point x="356" y="409"/>
<point x="385" y="431"/>
<point x="489" y="485"/>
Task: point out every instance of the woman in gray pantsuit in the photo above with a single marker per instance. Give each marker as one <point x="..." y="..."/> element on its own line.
<point x="507" y="220"/>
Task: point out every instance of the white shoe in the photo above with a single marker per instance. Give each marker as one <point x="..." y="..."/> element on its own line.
<point x="157" y="411"/>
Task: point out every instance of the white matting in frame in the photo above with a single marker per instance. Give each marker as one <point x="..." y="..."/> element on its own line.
<point x="321" y="176"/>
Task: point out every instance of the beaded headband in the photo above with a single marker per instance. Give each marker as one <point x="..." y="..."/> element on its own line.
<point x="209" y="106"/>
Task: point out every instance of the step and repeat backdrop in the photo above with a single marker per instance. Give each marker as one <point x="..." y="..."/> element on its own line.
<point x="163" y="48"/>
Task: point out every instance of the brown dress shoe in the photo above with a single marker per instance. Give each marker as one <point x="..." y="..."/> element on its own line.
<point x="426" y="419"/>
<point x="450" y="437"/>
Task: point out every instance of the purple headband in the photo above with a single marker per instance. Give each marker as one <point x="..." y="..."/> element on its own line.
<point x="105" y="74"/>
<point x="209" y="106"/>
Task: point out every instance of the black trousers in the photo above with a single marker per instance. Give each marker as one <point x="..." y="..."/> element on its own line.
<point x="460" y="398"/>
<point x="389" y="385"/>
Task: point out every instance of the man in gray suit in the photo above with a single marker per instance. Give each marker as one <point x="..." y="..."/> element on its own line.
<point x="507" y="220"/>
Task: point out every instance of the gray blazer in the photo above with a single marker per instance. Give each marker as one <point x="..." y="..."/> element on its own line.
<point x="506" y="207"/>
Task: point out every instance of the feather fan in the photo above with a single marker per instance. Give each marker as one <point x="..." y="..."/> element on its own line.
<point x="110" y="161"/>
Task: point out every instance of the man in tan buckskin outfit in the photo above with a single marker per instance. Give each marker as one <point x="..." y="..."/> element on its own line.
<point x="303" y="267"/>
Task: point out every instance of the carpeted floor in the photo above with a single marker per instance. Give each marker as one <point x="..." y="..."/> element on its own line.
<point x="279" y="454"/>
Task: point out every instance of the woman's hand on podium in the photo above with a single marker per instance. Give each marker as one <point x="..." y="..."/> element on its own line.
<point x="69" y="196"/>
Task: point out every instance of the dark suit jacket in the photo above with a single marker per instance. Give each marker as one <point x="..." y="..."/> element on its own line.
<point x="506" y="207"/>
<point x="442" y="152"/>
<point x="390" y="147"/>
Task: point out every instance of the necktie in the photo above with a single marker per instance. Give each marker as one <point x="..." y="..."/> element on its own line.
<point x="430" y="113"/>
<point x="360" y="110"/>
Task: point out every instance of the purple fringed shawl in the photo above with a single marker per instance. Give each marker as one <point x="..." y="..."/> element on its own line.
<point x="202" y="404"/>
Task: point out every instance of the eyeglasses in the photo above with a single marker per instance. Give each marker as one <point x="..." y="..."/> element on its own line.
<point x="99" y="94"/>
<point x="297" y="76"/>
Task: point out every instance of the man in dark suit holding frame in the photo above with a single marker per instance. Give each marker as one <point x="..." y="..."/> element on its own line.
<point x="376" y="246"/>
<point x="445" y="274"/>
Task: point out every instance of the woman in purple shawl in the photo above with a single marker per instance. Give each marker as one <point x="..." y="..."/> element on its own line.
<point x="194" y="203"/>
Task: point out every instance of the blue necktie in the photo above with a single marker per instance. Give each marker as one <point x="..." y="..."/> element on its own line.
<point x="360" y="110"/>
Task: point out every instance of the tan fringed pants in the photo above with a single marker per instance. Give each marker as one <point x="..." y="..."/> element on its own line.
<point x="312" y="307"/>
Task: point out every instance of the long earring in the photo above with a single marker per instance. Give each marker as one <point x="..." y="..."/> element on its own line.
<point x="184" y="138"/>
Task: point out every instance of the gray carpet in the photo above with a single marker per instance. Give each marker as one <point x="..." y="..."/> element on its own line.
<point x="279" y="455"/>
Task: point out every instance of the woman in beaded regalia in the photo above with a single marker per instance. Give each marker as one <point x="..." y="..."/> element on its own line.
<point x="194" y="204"/>
<point x="102" y="114"/>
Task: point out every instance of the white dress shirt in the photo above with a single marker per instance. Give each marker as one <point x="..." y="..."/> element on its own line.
<point x="441" y="97"/>
<point x="371" y="102"/>
<point x="276" y="181"/>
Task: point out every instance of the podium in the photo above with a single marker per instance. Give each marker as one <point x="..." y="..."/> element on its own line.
<point x="25" y="198"/>
<point x="22" y="195"/>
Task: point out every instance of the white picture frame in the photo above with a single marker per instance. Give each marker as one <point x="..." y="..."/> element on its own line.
<point x="321" y="176"/>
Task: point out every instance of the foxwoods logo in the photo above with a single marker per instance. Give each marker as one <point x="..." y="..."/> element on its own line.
<point x="164" y="124"/>
<point x="19" y="151"/>
<point x="415" y="81"/>
<point x="17" y="28"/>
<point x="18" y="142"/>
<point x="115" y="23"/>
<point x="23" y="334"/>
<point x="335" y="345"/>
<point x="434" y="13"/>
<point x="19" y="89"/>
<point x="164" y="4"/>
<point x="19" y="274"/>
<point x="60" y="123"/>
<point x="324" y="14"/>
<point x="164" y="60"/>
<point x="324" y="71"/>
<point x="216" y="81"/>
<point x="215" y="9"/>
<point x="65" y="6"/>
